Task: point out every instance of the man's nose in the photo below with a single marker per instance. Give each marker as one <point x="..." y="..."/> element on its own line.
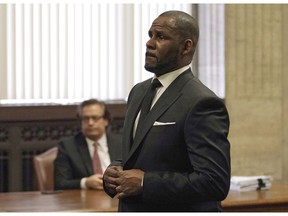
<point x="150" y="44"/>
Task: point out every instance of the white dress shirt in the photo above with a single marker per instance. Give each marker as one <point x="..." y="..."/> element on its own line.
<point x="103" y="153"/>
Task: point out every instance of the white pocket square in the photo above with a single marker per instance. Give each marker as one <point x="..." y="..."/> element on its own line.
<point x="156" y="123"/>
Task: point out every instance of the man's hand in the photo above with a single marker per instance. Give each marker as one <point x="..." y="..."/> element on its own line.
<point x="95" y="182"/>
<point x="110" y="176"/>
<point x="128" y="183"/>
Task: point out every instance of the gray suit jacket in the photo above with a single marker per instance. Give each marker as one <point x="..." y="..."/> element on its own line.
<point x="73" y="161"/>
<point x="185" y="154"/>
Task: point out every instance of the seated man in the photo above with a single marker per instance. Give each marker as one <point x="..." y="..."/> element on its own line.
<point x="77" y="163"/>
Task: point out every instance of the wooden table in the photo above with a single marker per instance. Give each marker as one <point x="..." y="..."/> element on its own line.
<point x="272" y="200"/>
<point x="68" y="200"/>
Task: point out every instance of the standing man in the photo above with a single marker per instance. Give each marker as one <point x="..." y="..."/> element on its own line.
<point x="82" y="158"/>
<point x="177" y="157"/>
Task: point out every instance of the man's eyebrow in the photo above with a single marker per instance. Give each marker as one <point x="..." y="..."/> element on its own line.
<point x="161" y="30"/>
<point x="156" y="31"/>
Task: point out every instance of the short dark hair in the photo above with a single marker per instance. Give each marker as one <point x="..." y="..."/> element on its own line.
<point x="93" y="101"/>
<point x="186" y="24"/>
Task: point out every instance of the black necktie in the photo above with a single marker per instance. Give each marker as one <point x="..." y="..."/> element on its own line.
<point x="147" y="101"/>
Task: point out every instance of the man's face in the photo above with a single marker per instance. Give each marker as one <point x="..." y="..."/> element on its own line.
<point x="163" y="49"/>
<point x="93" y="124"/>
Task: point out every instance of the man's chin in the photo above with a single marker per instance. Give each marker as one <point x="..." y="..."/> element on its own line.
<point x="93" y="136"/>
<point x="149" y="68"/>
<point x="154" y="70"/>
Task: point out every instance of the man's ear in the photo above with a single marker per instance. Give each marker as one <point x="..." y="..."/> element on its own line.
<point x="188" y="46"/>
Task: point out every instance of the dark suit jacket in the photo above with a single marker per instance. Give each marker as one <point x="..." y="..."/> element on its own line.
<point x="187" y="160"/>
<point x="74" y="162"/>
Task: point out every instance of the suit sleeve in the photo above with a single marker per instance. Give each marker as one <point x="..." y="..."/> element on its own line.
<point x="63" y="172"/>
<point x="205" y="133"/>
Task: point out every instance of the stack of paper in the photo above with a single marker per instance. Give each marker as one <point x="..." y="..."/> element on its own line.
<point x="250" y="183"/>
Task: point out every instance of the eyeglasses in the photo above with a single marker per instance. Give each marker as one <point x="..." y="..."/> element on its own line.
<point x="93" y="118"/>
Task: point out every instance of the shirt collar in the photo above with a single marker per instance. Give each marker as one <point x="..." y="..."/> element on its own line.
<point x="167" y="78"/>
<point x="101" y="141"/>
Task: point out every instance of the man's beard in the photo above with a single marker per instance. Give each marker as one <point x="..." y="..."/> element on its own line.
<point x="160" y="69"/>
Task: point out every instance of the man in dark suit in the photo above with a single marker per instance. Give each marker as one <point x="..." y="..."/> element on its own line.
<point x="74" y="166"/>
<point x="178" y="157"/>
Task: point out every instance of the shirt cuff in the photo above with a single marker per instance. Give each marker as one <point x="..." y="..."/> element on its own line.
<point x="83" y="183"/>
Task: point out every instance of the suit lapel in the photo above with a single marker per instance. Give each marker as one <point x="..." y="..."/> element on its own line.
<point x="85" y="155"/>
<point x="172" y="93"/>
<point x="111" y="149"/>
<point x="133" y="110"/>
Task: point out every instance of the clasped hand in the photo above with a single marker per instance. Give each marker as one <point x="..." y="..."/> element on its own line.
<point x="95" y="182"/>
<point x="124" y="183"/>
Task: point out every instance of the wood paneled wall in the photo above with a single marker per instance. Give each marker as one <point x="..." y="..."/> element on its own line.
<point x="29" y="130"/>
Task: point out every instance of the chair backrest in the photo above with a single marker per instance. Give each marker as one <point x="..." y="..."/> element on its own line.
<point x="44" y="169"/>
